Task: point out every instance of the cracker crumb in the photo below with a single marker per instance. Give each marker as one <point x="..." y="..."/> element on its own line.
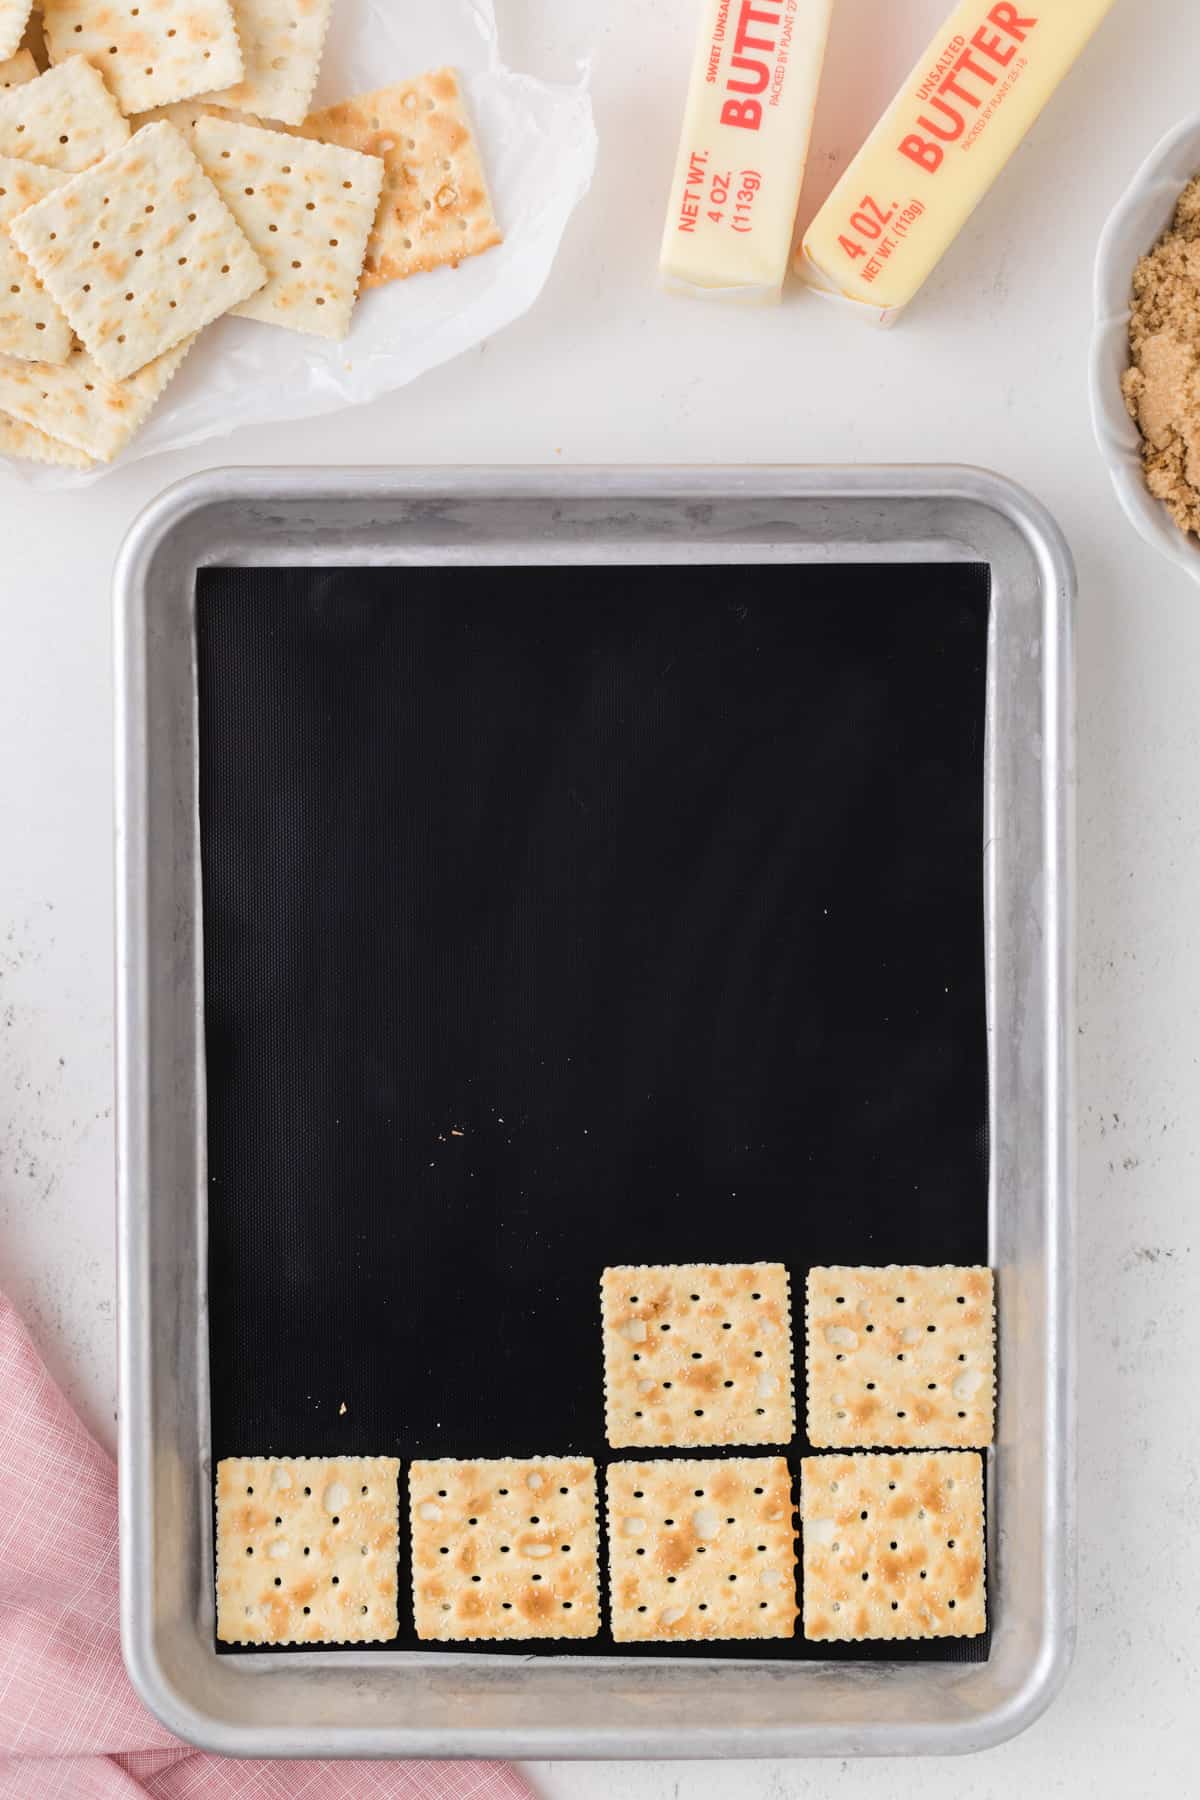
<point x="1162" y="384"/>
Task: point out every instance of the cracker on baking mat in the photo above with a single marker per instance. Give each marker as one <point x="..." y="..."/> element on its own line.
<point x="139" y="251"/>
<point x="697" y="1353"/>
<point x="505" y="1548"/>
<point x="77" y="403"/>
<point x="30" y="323"/>
<point x="893" y="1545"/>
<point x="148" y="54"/>
<point x="434" y="208"/>
<point x="307" y="1549"/>
<point x="700" y="1549"/>
<point x="16" y="70"/>
<point x="14" y="16"/>
<point x="65" y="118"/>
<point x="281" y="41"/>
<point x="901" y="1357"/>
<point x="307" y="210"/>
<point x="32" y="445"/>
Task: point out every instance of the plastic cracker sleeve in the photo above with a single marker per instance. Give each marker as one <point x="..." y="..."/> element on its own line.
<point x="741" y="156"/>
<point x="956" y="121"/>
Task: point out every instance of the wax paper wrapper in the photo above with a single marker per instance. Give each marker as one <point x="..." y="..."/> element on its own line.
<point x="538" y="144"/>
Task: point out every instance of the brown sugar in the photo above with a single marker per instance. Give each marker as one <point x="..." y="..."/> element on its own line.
<point x="1162" y="384"/>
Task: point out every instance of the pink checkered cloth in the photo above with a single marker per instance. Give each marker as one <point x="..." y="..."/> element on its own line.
<point x="71" y="1727"/>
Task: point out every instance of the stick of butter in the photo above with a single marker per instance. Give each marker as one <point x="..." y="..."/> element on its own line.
<point x="744" y="145"/>
<point x="939" y="147"/>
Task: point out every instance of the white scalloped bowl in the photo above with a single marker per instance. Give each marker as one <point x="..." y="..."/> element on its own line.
<point x="1139" y="218"/>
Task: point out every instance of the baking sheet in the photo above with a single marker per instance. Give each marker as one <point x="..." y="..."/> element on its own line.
<point x="663" y="887"/>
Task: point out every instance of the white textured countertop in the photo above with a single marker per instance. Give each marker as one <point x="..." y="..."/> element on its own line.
<point x="988" y="368"/>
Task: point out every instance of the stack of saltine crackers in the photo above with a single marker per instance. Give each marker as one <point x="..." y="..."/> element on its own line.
<point x="696" y="1355"/>
<point x="165" y="169"/>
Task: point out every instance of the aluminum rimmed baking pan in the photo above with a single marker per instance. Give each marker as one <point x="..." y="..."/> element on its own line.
<point x="423" y="1703"/>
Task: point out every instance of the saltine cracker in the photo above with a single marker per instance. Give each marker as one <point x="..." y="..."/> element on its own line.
<point x="307" y="210"/>
<point x="505" y="1548"/>
<point x="65" y="118"/>
<point x="900" y="1357"/>
<point x="184" y="113"/>
<point x="434" y="207"/>
<point x="16" y="70"/>
<point x="32" y="445"/>
<point x="149" y="54"/>
<point x="307" y="1549"/>
<point x="78" y="404"/>
<point x="697" y="1353"/>
<point x="700" y="1549"/>
<point x="14" y="16"/>
<point x="893" y="1545"/>
<point x="140" y="251"/>
<point x="31" y="325"/>
<point x="281" y="41"/>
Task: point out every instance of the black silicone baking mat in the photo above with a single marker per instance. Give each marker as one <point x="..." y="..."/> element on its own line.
<point x="563" y="917"/>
